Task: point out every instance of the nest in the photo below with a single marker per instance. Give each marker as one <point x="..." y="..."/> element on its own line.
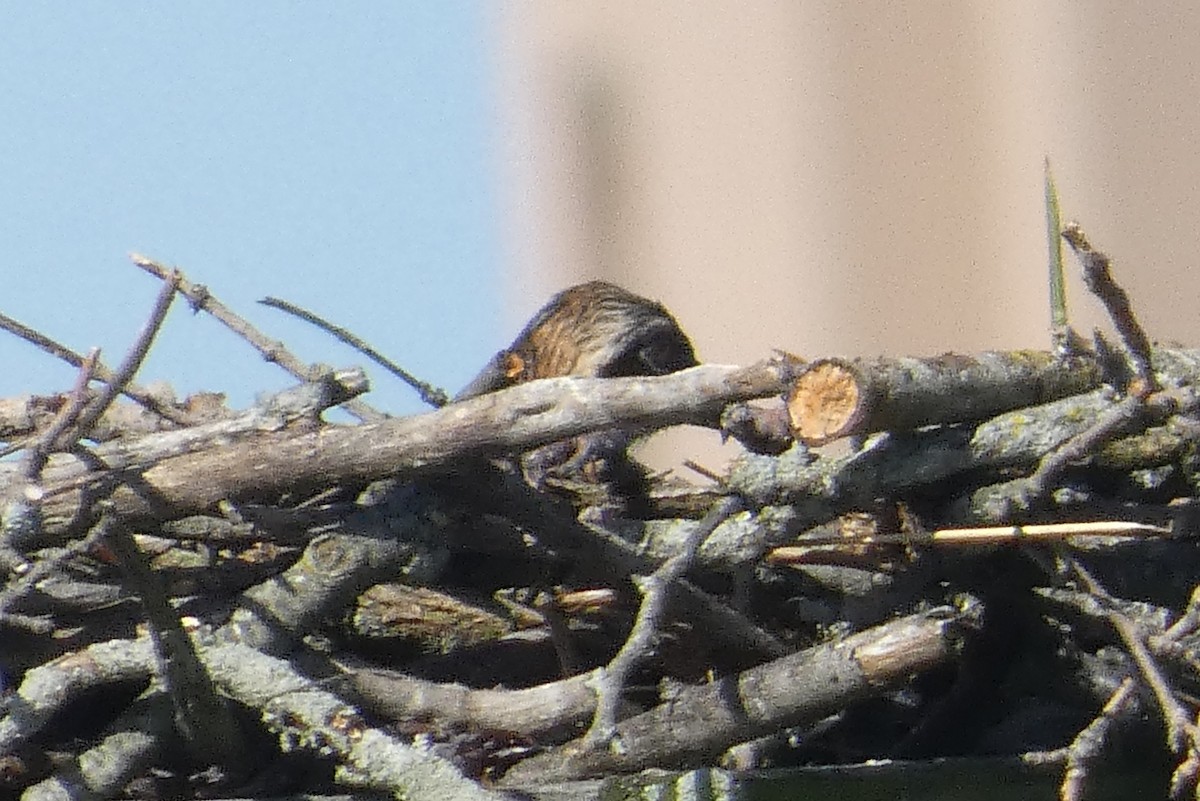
<point x="960" y="556"/>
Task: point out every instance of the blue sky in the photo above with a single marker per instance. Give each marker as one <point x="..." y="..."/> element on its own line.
<point x="339" y="156"/>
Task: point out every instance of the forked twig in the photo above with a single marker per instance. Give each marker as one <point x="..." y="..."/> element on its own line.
<point x="271" y="349"/>
<point x="610" y="680"/>
<point x="129" y="365"/>
<point x="132" y="391"/>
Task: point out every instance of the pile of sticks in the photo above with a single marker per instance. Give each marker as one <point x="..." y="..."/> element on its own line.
<point x="912" y="558"/>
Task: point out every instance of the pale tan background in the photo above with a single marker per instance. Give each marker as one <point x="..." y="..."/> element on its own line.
<point x="848" y="178"/>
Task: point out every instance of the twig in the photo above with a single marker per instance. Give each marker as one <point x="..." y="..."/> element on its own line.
<point x="701" y="722"/>
<point x="46" y="566"/>
<point x="1189" y="621"/>
<point x="128" y="367"/>
<point x="39" y="452"/>
<point x="1086" y="748"/>
<point x="1097" y="274"/>
<point x="302" y="715"/>
<point x="700" y="469"/>
<point x="135" y="393"/>
<point x="272" y="350"/>
<point x="431" y="395"/>
<point x="834" y="398"/>
<point x="1183" y="735"/>
<point x="982" y="536"/>
<point x="128" y="748"/>
<point x="201" y="715"/>
<point x="22" y="520"/>
<point x="517" y="419"/>
<point x="1113" y="422"/>
<point x="610" y="680"/>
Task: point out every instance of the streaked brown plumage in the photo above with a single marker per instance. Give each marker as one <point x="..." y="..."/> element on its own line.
<point x="595" y="329"/>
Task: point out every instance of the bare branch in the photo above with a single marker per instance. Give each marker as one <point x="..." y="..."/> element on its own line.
<point x="428" y="393"/>
<point x="272" y="350"/>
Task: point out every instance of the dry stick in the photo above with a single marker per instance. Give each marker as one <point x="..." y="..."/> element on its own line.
<point x="980" y="536"/>
<point x="21" y="517"/>
<point x="130" y="746"/>
<point x="520" y="418"/>
<point x="999" y="501"/>
<point x="700" y="722"/>
<point x="613" y="558"/>
<point x="1181" y="732"/>
<point x="202" y="717"/>
<point x="834" y="398"/>
<point x="1112" y="423"/>
<point x="292" y="705"/>
<point x="129" y="365"/>
<point x="1098" y="277"/>
<point x="272" y="350"/>
<point x="1085" y="750"/>
<point x="135" y="393"/>
<point x="28" y="582"/>
<point x="300" y="713"/>
<point x="272" y="615"/>
<point x="610" y="680"/>
<point x="75" y="423"/>
<point x="532" y="711"/>
<point x="39" y="452"/>
<point x="1189" y="621"/>
<point x="433" y="396"/>
<point x="1186" y="774"/>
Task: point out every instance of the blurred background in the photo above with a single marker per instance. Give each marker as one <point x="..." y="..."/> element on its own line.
<point x="827" y="178"/>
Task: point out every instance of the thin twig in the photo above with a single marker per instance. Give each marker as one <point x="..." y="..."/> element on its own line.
<point x="1181" y="733"/>
<point x="433" y="396"/>
<point x="128" y="367"/>
<point x="22" y="519"/>
<point x="1112" y="423"/>
<point x="978" y="536"/>
<point x="139" y="395"/>
<point x="202" y="716"/>
<point x="39" y="452"/>
<point x="272" y="350"/>
<point x="1086" y="748"/>
<point x="610" y="680"/>
<point x="46" y="566"/>
<point x="1097" y="274"/>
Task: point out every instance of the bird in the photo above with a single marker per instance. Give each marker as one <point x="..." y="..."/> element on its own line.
<point x="598" y="330"/>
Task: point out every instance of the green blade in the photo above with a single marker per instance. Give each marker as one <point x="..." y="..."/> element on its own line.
<point x="1058" y="289"/>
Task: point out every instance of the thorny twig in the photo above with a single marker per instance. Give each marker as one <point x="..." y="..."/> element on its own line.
<point x="428" y="393"/>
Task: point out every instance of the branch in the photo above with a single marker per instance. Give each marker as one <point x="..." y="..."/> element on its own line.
<point x="272" y="350"/>
<point x="266" y="466"/>
<point x="699" y="723"/>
